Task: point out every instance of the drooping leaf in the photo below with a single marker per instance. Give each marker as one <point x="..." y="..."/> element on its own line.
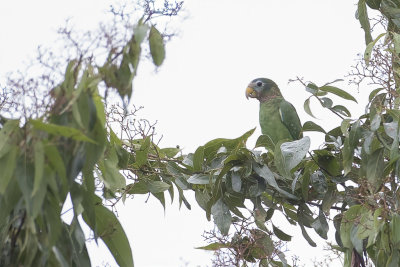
<point x="199" y="178"/>
<point x="236" y="182"/>
<point x="391" y="129"/>
<point x="374" y="4"/>
<point x="157" y="49"/>
<point x="339" y="92"/>
<point x="375" y="169"/>
<point x="269" y="178"/>
<point x="5" y="135"/>
<point x="198" y="159"/>
<point x="306" y="236"/>
<point x="265" y="141"/>
<point x="341" y="110"/>
<point x="350" y="217"/>
<point x="349" y="145"/>
<point x="280" y="234"/>
<point x="111" y="177"/>
<point x="109" y="229"/>
<point x="59" y="130"/>
<point x="289" y="154"/>
<point x="39" y="165"/>
<point x="157" y="186"/>
<point x="362" y="16"/>
<point x="376" y="122"/>
<point x="373" y="93"/>
<point x="137" y="188"/>
<point x="307" y="108"/>
<point x="222" y="216"/>
<point x="310" y="126"/>
<point x="320" y="225"/>
<point x="7" y="166"/>
<point x="140" y="32"/>
<point x="370" y="46"/>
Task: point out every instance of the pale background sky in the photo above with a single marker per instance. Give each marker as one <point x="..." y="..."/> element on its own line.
<point x="198" y="93"/>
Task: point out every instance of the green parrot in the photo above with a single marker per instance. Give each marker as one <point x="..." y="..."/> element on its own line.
<point x="278" y="118"/>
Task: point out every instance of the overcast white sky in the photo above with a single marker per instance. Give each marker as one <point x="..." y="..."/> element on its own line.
<point x="198" y="93"/>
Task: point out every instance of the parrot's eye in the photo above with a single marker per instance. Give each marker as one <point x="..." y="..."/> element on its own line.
<point x="259" y="84"/>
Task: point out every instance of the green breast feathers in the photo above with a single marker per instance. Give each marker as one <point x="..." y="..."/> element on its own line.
<point x="278" y="118"/>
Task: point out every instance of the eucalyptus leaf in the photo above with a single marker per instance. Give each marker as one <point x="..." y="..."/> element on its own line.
<point x="310" y="126"/>
<point x="157" y="48"/>
<point x="109" y="229"/>
<point x="307" y="108"/>
<point x="336" y="91"/>
<point x="289" y="154"/>
<point x="199" y="178"/>
<point x="222" y="216"/>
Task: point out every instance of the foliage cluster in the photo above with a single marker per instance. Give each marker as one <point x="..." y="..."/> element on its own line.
<point x="73" y="149"/>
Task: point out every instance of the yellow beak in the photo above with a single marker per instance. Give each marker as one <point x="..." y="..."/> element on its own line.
<point x="250" y="92"/>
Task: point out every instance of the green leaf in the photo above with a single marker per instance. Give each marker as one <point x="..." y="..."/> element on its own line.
<point x="341" y="110"/>
<point x="222" y="216"/>
<point x="265" y="141"/>
<point x="395" y="229"/>
<point x="280" y="234"/>
<point x="137" y="188"/>
<point x="312" y="88"/>
<point x="310" y="126"/>
<point x="109" y="229"/>
<point x="362" y="16"/>
<point x="289" y="154"/>
<point x="170" y="152"/>
<point x="5" y="134"/>
<point x="236" y="181"/>
<point x="326" y="102"/>
<point x="142" y="153"/>
<point x="374" y="4"/>
<point x="54" y="158"/>
<point x="394" y="259"/>
<point x="349" y="145"/>
<point x="7" y="167"/>
<point x="355" y="240"/>
<point x="320" y="225"/>
<point x="269" y="178"/>
<point x="59" y="130"/>
<point x="375" y="169"/>
<point x="213" y="147"/>
<point x="329" y="200"/>
<point x="140" y="32"/>
<point x="157" y="49"/>
<point x="157" y="186"/>
<point x="306" y="236"/>
<point x="328" y="162"/>
<point x="111" y="177"/>
<point x="376" y="122"/>
<point x="339" y="92"/>
<point x="348" y="221"/>
<point x="344" y="126"/>
<point x="198" y="159"/>
<point x="214" y="246"/>
<point x="391" y="129"/>
<point x="370" y="46"/>
<point x="199" y="178"/>
<point x="319" y="182"/>
<point x="307" y="107"/>
<point x="373" y="93"/>
<point x="39" y="165"/>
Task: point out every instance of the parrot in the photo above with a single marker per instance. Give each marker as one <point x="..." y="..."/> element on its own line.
<point x="277" y="117"/>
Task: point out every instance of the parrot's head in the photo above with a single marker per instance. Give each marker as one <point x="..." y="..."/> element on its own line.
<point x="263" y="89"/>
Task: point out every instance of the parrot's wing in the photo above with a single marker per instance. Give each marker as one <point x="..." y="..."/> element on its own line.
<point x="290" y="119"/>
